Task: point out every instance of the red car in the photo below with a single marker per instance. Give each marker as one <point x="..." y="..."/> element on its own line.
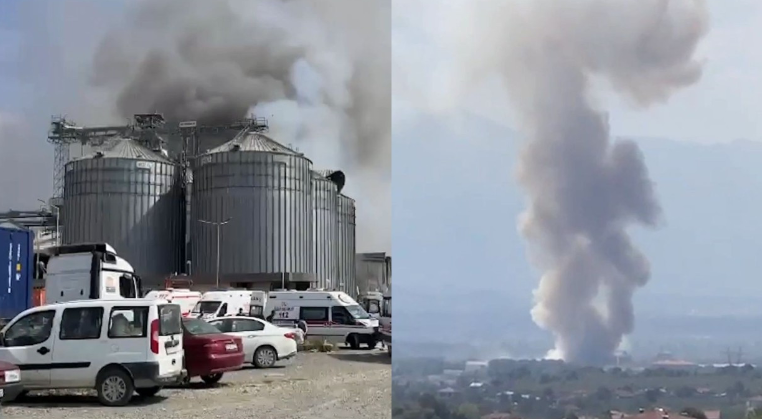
<point x="10" y="381"/>
<point x="208" y="352"/>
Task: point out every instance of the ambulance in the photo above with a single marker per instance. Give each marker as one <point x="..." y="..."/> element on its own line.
<point x="331" y="315"/>
<point x="183" y="297"/>
<point x="257" y="304"/>
<point x="223" y="303"/>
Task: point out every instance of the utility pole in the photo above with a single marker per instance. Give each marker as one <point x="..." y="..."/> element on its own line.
<point x="218" y="225"/>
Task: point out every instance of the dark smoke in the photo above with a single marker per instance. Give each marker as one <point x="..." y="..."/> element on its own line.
<point x="319" y="71"/>
<point x="584" y="191"/>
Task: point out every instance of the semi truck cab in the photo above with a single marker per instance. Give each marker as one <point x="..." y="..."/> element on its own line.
<point x="89" y="271"/>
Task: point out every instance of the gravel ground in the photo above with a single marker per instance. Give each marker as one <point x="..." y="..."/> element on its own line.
<point x="342" y="385"/>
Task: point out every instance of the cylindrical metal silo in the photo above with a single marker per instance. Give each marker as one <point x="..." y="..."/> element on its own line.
<point x="131" y="198"/>
<point x="325" y="228"/>
<point x="262" y="191"/>
<point x="346" y="253"/>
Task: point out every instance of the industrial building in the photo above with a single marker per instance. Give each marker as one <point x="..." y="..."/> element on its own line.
<point x="244" y="211"/>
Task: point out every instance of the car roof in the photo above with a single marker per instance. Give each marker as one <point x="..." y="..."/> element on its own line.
<point x="100" y="302"/>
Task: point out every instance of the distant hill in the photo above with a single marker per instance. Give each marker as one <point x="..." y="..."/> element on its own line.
<point x="458" y="253"/>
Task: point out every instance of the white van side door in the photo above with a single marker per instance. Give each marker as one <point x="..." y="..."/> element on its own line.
<point x="81" y="347"/>
<point x="29" y="343"/>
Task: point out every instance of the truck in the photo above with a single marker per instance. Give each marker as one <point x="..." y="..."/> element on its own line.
<point x="16" y="270"/>
<point x="371" y="302"/>
<point x="88" y="271"/>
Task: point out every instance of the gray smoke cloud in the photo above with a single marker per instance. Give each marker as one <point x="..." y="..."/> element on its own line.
<point x="319" y="71"/>
<point x="584" y="190"/>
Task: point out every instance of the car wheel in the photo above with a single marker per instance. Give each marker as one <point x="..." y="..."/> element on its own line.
<point x="265" y="357"/>
<point x="212" y="378"/>
<point x="372" y="342"/>
<point x="148" y="392"/>
<point x="114" y="387"/>
<point x="353" y="341"/>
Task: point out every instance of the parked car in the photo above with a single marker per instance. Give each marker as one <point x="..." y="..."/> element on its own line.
<point x="208" y="352"/>
<point x="264" y="343"/>
<point x="117" y="347"/>
<point x="10" y="381"/>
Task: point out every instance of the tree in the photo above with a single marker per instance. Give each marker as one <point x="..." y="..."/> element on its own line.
<point x="692" y="412"/>
<point x="469" y="411"/>
<point x="652" y="395"/>
<point x="604" y="394"/>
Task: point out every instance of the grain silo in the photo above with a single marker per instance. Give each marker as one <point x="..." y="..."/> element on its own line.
<point x="346" y="251"/>
<point x="131" y="198"/>
<point x="257" y="194"/>
<point x="326" y="186"/>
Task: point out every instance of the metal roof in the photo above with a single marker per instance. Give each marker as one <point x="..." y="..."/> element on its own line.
<point x="125" y="148"/>
<point x="254" y="141"/>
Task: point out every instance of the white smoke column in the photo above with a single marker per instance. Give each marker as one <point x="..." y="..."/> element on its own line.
<point x="319" y="71"/>
<point x="583" y="190"/>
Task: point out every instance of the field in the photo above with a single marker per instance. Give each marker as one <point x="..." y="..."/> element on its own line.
<point x="342" y="385"/>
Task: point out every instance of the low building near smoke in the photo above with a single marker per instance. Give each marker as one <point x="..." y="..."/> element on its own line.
<point x="476" y="366"/>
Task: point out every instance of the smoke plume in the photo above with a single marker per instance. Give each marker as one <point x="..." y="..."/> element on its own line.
<point x="319" y="71"/>
<point x="584" y="190"/>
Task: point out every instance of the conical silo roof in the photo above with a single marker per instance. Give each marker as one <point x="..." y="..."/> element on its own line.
<point x="125" y="148"/>
<point x="254" y="141"/>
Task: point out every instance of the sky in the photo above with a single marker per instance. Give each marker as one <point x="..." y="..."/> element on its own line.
<point x="702" y="113"/>
<point x="454" y="230"/>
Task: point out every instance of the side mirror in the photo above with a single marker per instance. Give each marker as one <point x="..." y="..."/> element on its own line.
<point x="2" y="339"/>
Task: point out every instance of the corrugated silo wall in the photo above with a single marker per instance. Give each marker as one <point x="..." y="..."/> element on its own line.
<point x="268" y="199"/>
<point x="325" y="230"/>
<point x="134" y="205"/>
<point x="346" y="253"/>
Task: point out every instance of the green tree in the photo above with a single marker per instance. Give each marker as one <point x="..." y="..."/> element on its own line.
<point x="604" y="394"/>
<point x="652" y="395"/>
<point x="469" y="411"/>
<point x="692" y="412"/>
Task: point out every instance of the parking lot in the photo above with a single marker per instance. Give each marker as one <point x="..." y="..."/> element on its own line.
<point x="343" y="384"/>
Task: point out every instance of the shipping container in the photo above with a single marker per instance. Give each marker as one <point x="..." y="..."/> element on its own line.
<point x="16" y="269"/>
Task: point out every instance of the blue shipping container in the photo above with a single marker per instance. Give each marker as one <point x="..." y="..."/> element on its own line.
<point x="16" y="270"/>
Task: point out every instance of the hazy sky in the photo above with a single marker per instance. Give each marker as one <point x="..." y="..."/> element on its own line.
<point x="724" y="106"/>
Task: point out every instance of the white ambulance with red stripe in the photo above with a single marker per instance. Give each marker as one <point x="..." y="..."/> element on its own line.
<point x="183" y="297"/>
<point x="330" y="315"/>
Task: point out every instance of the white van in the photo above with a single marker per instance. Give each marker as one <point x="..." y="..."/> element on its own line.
<point x="183" y="297"/>
<point x="331" y="315"/>
<point x="117" y="347"/>
<point x="223" y="303"/>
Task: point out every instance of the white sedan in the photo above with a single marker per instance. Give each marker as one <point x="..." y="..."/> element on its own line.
<point x="263" y="343"/>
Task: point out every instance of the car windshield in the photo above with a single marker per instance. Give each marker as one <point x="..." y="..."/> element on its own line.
<point x="206" y="307"/>
<point x="199" y="327"/>
<point x="357" y="312"/>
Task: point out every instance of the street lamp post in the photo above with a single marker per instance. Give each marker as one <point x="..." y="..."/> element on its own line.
<point x="218" y="225"/>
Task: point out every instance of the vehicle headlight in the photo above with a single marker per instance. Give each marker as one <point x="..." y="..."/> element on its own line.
<point x="12" y="376"/>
